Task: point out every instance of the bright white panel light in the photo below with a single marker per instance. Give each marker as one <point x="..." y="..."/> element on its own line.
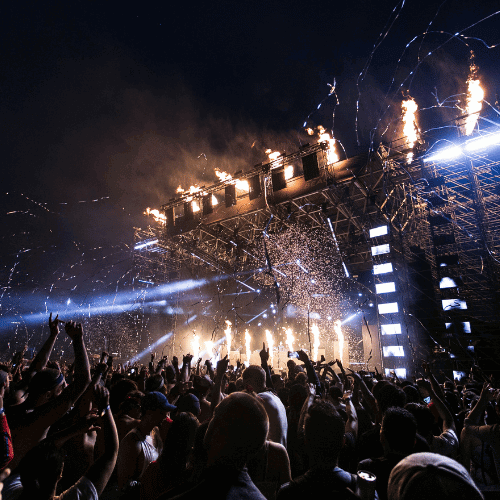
<point x="466" y="325"/>
<point x="381" y="249"/>
<point x="447" y="154"/>
<point x="385" y="287"/>
<point x="391" y="329"/>
<point x="400" y="372"/>
<point x="447" y="283"/>
<point x="482" y="142"/>
<point x="378" y="231"/>
<point x="458" y="375"/>
<point x="382" y="268"/>
<point x="393" y="350"/>
<point x="389" y="308"/>
<point x="453" y="304"/>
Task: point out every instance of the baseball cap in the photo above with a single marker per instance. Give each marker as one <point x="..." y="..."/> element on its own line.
<point x="189" y="402"/>
<point x="431" y="476"/>
<point x="156" y="400"/>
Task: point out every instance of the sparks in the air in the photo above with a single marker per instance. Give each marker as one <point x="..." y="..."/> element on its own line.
<point x="325" y="136"/>
<point x="410" y="129"/>
<point x="209" y="347"/>
<point x="315" y="332"/>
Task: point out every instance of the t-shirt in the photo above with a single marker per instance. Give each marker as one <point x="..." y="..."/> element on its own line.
<point x="446" y="444"/>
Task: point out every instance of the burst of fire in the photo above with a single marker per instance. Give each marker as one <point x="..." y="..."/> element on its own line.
<point x="195" y="344"/>
<point x="410" y="129"/>
<point x="289" y="339"/>
<point x="315" y="332"/>
<point x="158" y="216"/>
<point x="223" y="176"/>
<point x="475" y="96"/>
<point x="273" y="155"/>
<point x="270" y="345"/>
<point x="227" y="331"/>
<point x="288" y="172"/>
<point x="209" y="347"/>
<point x="324" y="136"/>
<point x="241" y="184"/>
<point x="214" y="200"/>
<point x="248" y="339"/>
<point x="340" y="336"/>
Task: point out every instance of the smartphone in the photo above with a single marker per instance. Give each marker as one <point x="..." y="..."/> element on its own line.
<point x="427" y="400"/>
<point x="293" y="354"/>
<point x="132" y="370"/>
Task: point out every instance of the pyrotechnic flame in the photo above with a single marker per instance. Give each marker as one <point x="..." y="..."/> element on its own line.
<point x="214" y="200"/>
<point x="242" y="185"/>
<point x="289" y="339"/>
<point x="324" y="136"/>
<point x="158" y="216"/>
<point x="195" y="344"/>
<point x="315" y="332"/>
<point x="223" y="176"/>
<point x="227" y="331"/>
<point x="209" y="347"/>
<point x="340" y="336"/>
<point x="288" y="172"/>
<point x="475" y="96"/>
<point x="191" y="190"/>
<point x="196" y="206"/>
<point x="273" y="155"/>
<point x="270" y="345"/>
<point x="248" y="339"/>
<point x="410" y="129"/>
<point x="310" y="131"/>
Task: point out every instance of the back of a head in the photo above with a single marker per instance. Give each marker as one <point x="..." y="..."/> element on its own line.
<point x="390" y="395"/>
<point x="297" y="396"/>
<point x="44" y="381"/>
<point x="324" y="431"/>
<point x="423" y="417"/>
<point x="255" y="376"/>
<point x="433" y="477"/>
<point x="155" y="383"/>
<point x="237" y="430"/>
<point x="399" y="429"/>
<point x="119" y="392"/>
<point x="40" y="470"/>
<point x="179" y="441"/>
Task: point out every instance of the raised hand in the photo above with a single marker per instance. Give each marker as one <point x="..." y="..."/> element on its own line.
<point x="73" y="330"/>
<point x="187" y="359"/>
<point x="303" y="356"/>
<point x="222" y="365"/>
<point x="101" y="398"/>
<point x="54" y="325"/>
<point x="264" y="354"/>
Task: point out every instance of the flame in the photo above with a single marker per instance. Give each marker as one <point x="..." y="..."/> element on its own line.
<point x="214" y="200"/>
<point x="288" y="172"/>
<point x="227" y="331"/>
<point x="338" y="330"/>
<point x="289" y="339"/>
<point x="324" y="136"/>
<point x="209" y="347"/>
<point x="273" y="155"/>
<point x="270" y="345"/>
<point x="158" y="216"/>
<point x="242" y="185"/>
<point x="310" y="131"/>
<point x="410" y="129"/>
<point x="223" y="176"/>
<point x="248" y="339"/>
<point x="191" y="190"/>
<point x="195" y="344"/>
<point x="315" y="332"/>
<point x="196" y="206"/>
<point x="475" y="96"/>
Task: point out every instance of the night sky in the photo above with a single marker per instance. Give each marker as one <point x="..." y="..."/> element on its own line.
<point x="107" y="107"/>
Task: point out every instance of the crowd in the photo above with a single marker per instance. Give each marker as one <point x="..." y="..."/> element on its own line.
<point x="187" y="430"/>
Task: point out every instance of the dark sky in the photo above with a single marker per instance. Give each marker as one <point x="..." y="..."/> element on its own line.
<point x="121" y="102"/>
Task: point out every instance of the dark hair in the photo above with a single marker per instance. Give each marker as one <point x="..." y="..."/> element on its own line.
<point x="43" y="381"/>
<point x="423" y="417"/>
<point x="324" y="431"/>
<point x="40" y="469"/>
<point x="335" y="392"/>
<point x="390" y="395"/>
<point x="399" y="428"/>
<point x="119" y="392"/>
<point x="412" y="394"/>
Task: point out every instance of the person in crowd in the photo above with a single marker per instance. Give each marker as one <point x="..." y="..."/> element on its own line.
<point x="6" y="448"/>
<point x="324" y="431"/>
<point x="236" y="432"/>
<point x="397" y="436"/>
<point x="431" y="476"/>
<point x="254" y="377"/>
<point x="48" y="397"/>
<point x="41" y="469"/>
<point x="171" y="468"/>
<point x="142" y="445"/>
